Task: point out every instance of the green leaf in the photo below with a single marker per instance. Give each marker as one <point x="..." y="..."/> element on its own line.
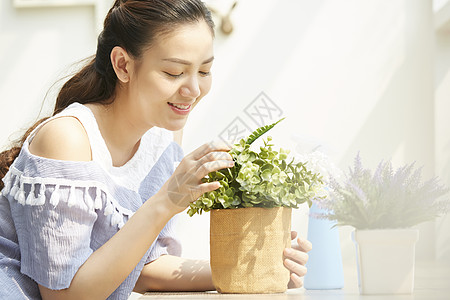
<point x="266" y="175"/>
<point x="260" y="131"/>
<point x="283" y="165"/>
<point x="207" y="201"/>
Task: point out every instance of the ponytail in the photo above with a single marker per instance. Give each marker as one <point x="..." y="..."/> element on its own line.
<point x="87" y="86"/>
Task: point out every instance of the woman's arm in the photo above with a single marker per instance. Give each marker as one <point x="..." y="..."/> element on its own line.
<point x="109" y="266"/>
<point x="176" y="274"/>
<point x="172" y="273"/>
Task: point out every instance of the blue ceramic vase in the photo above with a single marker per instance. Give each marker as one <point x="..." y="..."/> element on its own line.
<point x="324" y="265"/>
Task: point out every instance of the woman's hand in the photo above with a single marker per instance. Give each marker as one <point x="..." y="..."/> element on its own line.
<point x="296" y="258"/>
<point x="185" y="185"/>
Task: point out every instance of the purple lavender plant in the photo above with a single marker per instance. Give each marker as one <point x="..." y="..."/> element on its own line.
<point x="384" y="199"/>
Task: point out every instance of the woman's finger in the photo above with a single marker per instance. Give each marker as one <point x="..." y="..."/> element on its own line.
<point x="200" y="189"/>
<point x="209" y="147"/>
<point x="303" y="245"/>
<point x="212" y="166"/>
<point x="295" y="281"/>
<point x="207" y="187"/>
<point x="213" y="156"/>
<point x="293" y="234"/>
<point x="296" y="255"/>
<point x="295" y="267"/>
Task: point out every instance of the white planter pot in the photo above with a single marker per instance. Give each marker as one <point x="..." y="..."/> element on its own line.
<point x="385" y="260"/>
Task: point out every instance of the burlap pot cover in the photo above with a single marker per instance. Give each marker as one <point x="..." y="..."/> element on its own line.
<point x="247" y="249"/>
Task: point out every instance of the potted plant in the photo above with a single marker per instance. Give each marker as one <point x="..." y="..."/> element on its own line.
<point x="251" y="215"/>
<point x="383" y="206"/>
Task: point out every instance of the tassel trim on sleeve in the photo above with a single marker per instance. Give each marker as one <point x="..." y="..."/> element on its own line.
<point x="32" y="191"/>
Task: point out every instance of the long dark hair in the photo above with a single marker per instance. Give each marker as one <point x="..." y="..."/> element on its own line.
<point x="131" y="24"/>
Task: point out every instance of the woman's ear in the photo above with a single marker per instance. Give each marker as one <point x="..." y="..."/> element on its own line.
<point x="121" y="63"/>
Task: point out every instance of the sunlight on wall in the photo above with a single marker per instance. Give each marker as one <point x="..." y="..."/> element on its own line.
<point x="438" y="4"/>
<point x="442" y="109"/>
<point x="442" y="133"/>
<point x="342" y="67"/>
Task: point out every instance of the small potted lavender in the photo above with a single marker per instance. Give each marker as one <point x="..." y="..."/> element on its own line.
<point x="383" y="206"/>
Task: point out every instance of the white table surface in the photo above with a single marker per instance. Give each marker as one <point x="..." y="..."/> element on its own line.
<point x="432" y="282"/>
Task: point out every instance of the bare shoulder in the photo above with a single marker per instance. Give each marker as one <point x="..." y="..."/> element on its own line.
<point x="63" y="138"/>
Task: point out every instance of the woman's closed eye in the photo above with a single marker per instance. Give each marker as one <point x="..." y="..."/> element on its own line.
<point x="202" y="73"/>
<point x="173" y="75"/>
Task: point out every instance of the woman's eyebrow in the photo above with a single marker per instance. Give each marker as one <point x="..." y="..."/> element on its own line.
<point x="185" y="62"/>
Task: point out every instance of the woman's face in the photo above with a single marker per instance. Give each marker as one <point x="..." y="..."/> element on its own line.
<point x="172" y="76"/>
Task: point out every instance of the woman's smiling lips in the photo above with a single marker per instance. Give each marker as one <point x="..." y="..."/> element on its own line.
<point x="180" y="108"/>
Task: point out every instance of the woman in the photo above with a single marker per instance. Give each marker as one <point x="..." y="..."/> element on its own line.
<point x="87" y="204"/>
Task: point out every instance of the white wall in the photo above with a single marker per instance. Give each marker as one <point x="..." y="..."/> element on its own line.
<point x="442" y="133"/>
<point x="353" y="75"/>
<point x="37" y="47"/>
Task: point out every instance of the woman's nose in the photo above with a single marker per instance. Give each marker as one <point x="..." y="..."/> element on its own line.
<point x="191" y="89"/>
